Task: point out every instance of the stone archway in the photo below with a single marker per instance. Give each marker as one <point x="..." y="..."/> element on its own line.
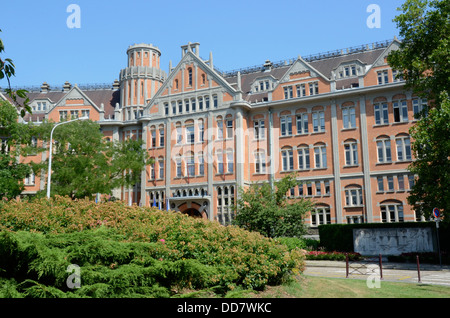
<point x="193" y="213"/>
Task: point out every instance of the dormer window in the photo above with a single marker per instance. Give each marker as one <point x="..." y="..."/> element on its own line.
<point x="347" y="71"/>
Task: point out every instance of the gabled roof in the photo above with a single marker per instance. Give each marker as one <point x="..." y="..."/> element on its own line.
<point x="190" y="57"/>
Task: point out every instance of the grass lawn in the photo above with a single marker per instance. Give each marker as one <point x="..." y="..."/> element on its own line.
<point x="320" y="287"/>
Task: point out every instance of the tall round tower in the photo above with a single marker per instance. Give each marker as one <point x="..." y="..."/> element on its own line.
<point x="140" y="80"/>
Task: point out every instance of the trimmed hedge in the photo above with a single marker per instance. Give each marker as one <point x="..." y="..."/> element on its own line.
<point x="339" y="237"/>
<point x="118" y="246"/>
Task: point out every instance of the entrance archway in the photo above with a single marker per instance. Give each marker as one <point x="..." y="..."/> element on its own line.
<point x="193" y="213"/>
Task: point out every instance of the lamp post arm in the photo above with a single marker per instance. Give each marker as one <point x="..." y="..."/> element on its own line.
<point x="49" y="172"/>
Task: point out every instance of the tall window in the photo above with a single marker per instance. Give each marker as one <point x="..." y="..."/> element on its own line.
<point x="318" y="121"/>
<point x="200" y="103"/>
<point x="190" y="76"/>
<point x="391" y="212"/>
<point x="186" y="103"/>
<point x="313" y="88"/>
<point x="383" y="77"/>
<point x="230" y="161"/>
<point x="219" y="129"/>
<point x="384" y="150"/>
<point x="403" y="148"/>
<point x="215" y="101"/>
<point x="260" y="162"/>
<point x="193" y="104"/>
<point x="302" y="123"/>
<point x="353" y="196"/>
<point x="62" y="115"/>
<point x="174" y="108"/>
<point x="381" y="113"/>
<point x="348" y="117"/>
<point x="201" y="131"/>
<point x="259" y="128"/>
<point x="287" y="160"/>
<point x="380" y="184"/>
<point x="201" y="164"/>
<point x="30" y="179"/>
<point x="190" y="135"/>
<point x="220" y="162"/>
<point x="301" y="90"/>
<point x="320" y="215"/>
<point x="400" y="111"/>
<point x="288" y="92"/>
<point x="303" y="157"/>
<point x="351" y="153"/>
<point x="320" y="153"/>
<point x="178" y="166"/>
<point x="179" y="134"/>
<point x="286" y="125"/>
<point x="419" y="107"/>
<point x="161" y="137"/>
<point x="180" y="106"/>
<point x="161" y="168"/>
<point x="229" y="123"/>
<point x="190" y="162"/>
<point x="153" y="137"/>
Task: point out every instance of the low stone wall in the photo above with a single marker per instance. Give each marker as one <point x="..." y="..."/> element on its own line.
<point x="393" y="241"/>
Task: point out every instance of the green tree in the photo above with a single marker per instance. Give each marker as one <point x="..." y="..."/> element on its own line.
<point x="270" y="212"/>
<point x="7" y="70"/>
<point x="424" y="59"/>
<point x="84" y="163"/>
<point x="424" y="53"/>
<point x="431" y="147"/>
<point x="12" y="134"/>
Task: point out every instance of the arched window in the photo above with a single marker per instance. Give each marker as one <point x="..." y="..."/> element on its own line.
<point x="320" y="156"/>
<point x="353" y="196"/>
<point x="287" y="159"/>
<point x="351" y="152"/>
<point x="403" y="144"/>
<point x="391" y="211"/>
<point x="303" y="157"/>
<point x="384" y="149"/>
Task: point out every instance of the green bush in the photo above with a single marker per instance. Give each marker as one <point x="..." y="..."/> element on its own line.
<point x="131" y="251"/>
<point x="301" y="243"/>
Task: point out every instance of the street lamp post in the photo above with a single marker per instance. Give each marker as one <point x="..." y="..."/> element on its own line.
<point x="49" y="177"/>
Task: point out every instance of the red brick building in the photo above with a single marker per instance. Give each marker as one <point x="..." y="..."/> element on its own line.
<point x="339" y="120"/>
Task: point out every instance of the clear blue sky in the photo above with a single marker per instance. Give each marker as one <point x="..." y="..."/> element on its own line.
<point x="239" y="33"/>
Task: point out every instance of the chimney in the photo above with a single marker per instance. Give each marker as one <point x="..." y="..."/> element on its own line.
<point x="116" y="85"/>
<point x="267" y="66"/>
<point x="67" y="86"/>
<point x="45" y="87"/>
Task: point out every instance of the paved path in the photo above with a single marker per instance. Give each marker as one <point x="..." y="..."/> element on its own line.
<point x="395" y="272"/>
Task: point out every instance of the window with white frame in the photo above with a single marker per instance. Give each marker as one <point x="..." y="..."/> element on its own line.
<point x="401" y="182"/>
<point x="190" y="165"/>
<point x="313" y="88"/>
<point x="318" y="188"/>
<point x="161" y="168"/>
<point x="390" y="183"/>
<point x="190" y="134"/>
<point x="384" y="150"/>
<point x="288" y="92"/>
<point x="166" y="109"/>
<point x="381" y="113"/>
<point x="287" y="159"/>
<point x="353" y="196"/>
<point x="260" y="131"/>
<point x="382" y="77"/>
<point x="161" y="137"/>
<point x="286" y="125"/>
<point x="320" y="215"/>
<point x="230" y="160"/>
<point x="193" y="104"/>
<point x="201" y="164"/>
<point x="318" y="119"/>
<point x="400" y="111"/>
<point x="303" y="157"/>
<point x="327" y="187"/>
<point x="207" y="102"/>
<point x="220" y="129"/>
<point x="403" y="148"/>
<point x="30" y="179"/>
<point x="380" y="184"/>
<point x="178" y="162"/>
<point x="411" y="181"/>
<point x="201" y="131"/>
<point x="153" y="138"/>
<point x="152" y="170"/>
<point x="180" y="106"/>
<point x="351" y="153"/>
<point x="187" y="105"/>
<point x="260" y="162"/>
<point x="301" y="90"/>
<point x="62" y="115"/>
<point x="200" y="103"/>
<point x="320" y="154"/>
<point x="348" y="117"/>
<point x="302" y="123"/>
<point x="397" y="76"/>
<point x="220" y="168"/>
<point x="174" y="108"/>
<point x="391" y="212"/>
<point x="420" y="106"/>
<point x="74" y="114"/>
<point x="229" y="123"/>
<point x="179" y="133"/>
<point x="215" y="101"/>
